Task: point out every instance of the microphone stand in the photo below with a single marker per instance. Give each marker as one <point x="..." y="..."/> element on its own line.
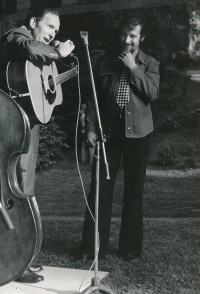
<point x="96" y="281"/>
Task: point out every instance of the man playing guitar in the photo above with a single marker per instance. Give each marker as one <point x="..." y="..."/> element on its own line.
<point x="32" y="42"/>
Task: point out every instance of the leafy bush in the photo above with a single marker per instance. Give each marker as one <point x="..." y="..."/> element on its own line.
<point x="183" y="109"/>
<point x="52" y="144"/>
<point x="191" y="163"/>
<point x="171" y="103"/>
<point x="168" y="154"/>
<point x="169" y="125"/>
<point x="195" y="117"/>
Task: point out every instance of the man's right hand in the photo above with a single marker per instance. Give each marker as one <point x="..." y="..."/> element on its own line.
<point x="91" y="139"/>
<point x="65" y="48"/>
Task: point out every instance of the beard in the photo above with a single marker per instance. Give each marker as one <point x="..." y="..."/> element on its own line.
<point x="128" y="48"/>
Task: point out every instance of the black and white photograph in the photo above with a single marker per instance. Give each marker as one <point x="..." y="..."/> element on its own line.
<point x="99" y="146"/>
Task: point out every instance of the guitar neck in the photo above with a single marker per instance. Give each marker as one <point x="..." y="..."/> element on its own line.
<point x="65" y="76"/>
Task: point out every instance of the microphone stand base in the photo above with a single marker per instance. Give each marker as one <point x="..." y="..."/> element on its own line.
<point x="96" y="286"/>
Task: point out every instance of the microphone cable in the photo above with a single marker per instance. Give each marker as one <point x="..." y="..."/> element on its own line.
<point x="81" y="179"/>
<point x="78" y="167"/>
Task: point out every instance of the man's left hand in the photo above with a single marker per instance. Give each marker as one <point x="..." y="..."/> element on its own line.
<point x="128" y="59"/>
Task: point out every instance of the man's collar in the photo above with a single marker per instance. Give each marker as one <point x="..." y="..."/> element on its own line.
<point x="142" y="57"/>
<point x="27" y="31"/>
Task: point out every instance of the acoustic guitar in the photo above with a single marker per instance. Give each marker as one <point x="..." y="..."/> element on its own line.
<point x="37" y="88"/>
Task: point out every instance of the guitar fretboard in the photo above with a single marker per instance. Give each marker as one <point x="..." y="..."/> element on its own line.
<point x="65" y="76"/>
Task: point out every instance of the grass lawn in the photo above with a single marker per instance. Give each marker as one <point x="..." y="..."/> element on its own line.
<point x="169" y="264"/>
<point x="168" y="192"/>
<point x="171" y="258"/>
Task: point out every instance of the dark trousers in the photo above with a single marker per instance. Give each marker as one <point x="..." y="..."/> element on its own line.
<point x="135" y="153"/>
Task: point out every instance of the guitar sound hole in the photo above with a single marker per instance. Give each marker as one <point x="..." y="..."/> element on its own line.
<point x="51" y="93"/>
<point x="51" y="84"/>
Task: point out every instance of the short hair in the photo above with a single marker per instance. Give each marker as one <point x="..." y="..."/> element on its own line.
<point x="132" y="22"/>
<point x="39" y="13"/>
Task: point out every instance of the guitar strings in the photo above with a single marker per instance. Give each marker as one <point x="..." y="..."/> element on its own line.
<point x="67" y="74"/>
<point x="59" y="78"/>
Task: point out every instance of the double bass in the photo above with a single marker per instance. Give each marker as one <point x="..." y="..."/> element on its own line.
<point x="20" y="221"/>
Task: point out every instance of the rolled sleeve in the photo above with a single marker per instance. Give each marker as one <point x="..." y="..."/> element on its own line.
<point x="22" y="44"/>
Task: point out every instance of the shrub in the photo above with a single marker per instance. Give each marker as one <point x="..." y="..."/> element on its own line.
<point x="169" y="125"/>
<point x="183" y="109"/>
<point x="52" y="144"/>
<point x="191" y="163"/>
<point x="171" y="103"/>
<point x="195" y="117"/>
<point x="168" y="154"/>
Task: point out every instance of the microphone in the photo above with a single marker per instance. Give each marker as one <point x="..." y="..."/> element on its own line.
<point x="84" y="35"/>
<point x="56" y="43"/>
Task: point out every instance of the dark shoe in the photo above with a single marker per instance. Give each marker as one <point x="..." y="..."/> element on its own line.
<point x="29" y="277"/>
<point x="129" y="257"/>
<point x="36" y="268"/>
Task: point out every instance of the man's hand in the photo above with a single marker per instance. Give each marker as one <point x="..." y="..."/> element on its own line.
<point x="91" y="139"/>
<point x="128" y="59"/>
<point x="65" y="48"/>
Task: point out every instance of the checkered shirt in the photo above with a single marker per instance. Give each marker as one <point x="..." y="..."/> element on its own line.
<point x="123" y="94"/>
